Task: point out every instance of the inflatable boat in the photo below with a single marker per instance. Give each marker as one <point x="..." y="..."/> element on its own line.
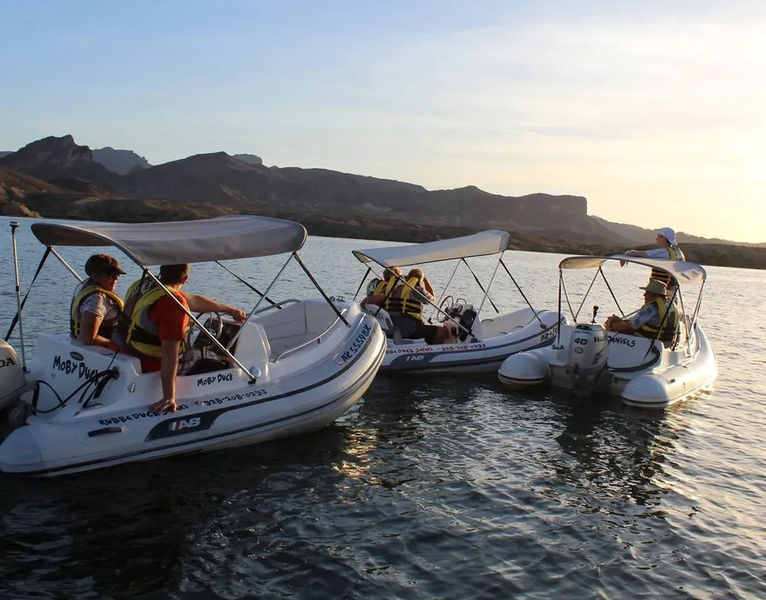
<point x="642" y="371"/>
<point x="484" y="338"/>
<point x="293" y="366"/>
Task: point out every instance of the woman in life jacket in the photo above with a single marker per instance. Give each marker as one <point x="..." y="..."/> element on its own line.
<point x="656" y="319"/>
<point x="95" y="307"/>
<point x="405" y="305"/>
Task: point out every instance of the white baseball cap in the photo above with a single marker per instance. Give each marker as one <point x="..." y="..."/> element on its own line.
<point x="669" y="235"/>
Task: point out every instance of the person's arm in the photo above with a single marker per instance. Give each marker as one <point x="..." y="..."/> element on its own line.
<point x="618" y="325"/>
<point x="89" y="324"/>
<point x="377" y="299"/>
<point x="169" y="356"/>
<point x="202" y="304"/>
<point x="428" y="287"/>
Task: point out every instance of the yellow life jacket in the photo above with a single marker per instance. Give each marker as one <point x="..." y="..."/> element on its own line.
<point x="107" y="325"/>
<point x="403" y="301"/>
<point x="668" y="323"/>
<point x="142" y="337"/>
<point x="136" y="289"/>
<point x="674" y="253"/>
<point x="384" y="286"/>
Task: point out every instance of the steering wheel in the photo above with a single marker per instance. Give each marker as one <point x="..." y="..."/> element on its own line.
<point x="444" y="308"/>
<point x="204" y="340"/>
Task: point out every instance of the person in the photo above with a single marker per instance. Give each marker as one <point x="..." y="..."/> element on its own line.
<point x="668" y="248"/>
<point x="157" y="326"/>
<point x="656" y="319"/>
<point x="405" y="305"/>
<point x="384" y="286"/>
<point x="95" y="306"/>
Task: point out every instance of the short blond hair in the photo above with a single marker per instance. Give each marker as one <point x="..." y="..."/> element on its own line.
<point x="391" y="273"/>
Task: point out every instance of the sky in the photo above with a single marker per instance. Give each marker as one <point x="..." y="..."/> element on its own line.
<point x="654" y="111"/>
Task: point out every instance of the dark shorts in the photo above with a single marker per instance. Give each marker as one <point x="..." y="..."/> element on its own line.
<point x="411" y="328"/>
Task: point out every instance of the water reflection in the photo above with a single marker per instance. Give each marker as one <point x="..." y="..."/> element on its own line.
<point x="114" y="535"/>
<point x="615" y="452"/>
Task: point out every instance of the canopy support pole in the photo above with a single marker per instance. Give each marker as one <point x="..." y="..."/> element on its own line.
<point x="318" y="287"/>
<point x="518" y="287"/>
<point x="257" y="304"/>
<point x="17" y="316"/>
<point x="443" y="294"/>
<point x="252" y="287"/>
<point x="14" y="226"/>
<point x="486" y="292"/>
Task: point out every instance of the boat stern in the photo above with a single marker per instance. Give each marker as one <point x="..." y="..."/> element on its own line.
<point x="524" y="369"/>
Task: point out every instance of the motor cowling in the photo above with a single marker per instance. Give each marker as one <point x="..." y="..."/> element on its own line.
<point x="587" y="350"/>
<point x="12" y="379"/>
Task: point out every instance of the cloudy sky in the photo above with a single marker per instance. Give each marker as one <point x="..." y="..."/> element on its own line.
<point x="654" y="111"/>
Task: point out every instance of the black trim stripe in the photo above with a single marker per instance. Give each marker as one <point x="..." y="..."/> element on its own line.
<point x="429" y="366"/>
<point x="368" y="375"/>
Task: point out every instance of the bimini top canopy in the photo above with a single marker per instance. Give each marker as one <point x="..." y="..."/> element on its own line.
<point x="238" y="236"/>
<point x="684" y="272"/>
<point x="478" y="244"/>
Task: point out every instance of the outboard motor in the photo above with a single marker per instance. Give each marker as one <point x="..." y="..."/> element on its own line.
<point x="587" y="355"/>
<point x="12" y="379"/>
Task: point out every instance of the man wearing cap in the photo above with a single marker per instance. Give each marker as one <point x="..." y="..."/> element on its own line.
<point x="95" y="307"/>
<point x="656" y="319"/>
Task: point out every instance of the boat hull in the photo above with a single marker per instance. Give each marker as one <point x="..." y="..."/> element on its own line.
<point x="217" y="410"/>
<point x="481" y="356"/>
<point x="641" y="374"/>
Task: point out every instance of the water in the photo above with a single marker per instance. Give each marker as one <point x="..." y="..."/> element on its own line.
<point x="439" y="487"/>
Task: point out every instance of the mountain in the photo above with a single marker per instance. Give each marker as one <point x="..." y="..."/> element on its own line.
<point x="640" y="235"/>
<point x="4" y="152"/>
<point x="251" y="159"/>
<point x="55" y="177"/>
<point x="57" y="157"/>
<point x="120" y="161"/>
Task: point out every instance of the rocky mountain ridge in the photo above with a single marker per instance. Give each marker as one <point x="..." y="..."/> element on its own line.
<point x="54" y="177"/>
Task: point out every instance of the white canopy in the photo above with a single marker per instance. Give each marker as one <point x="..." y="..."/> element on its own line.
<point x="684" y="272"/>
<point x="221" y="238"/>
<point x="478" y="244"/>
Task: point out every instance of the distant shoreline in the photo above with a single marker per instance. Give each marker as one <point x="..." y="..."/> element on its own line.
<point x="720" y="255"/>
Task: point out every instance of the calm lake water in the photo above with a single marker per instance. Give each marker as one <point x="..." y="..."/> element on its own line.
<point x="431" y="487"/>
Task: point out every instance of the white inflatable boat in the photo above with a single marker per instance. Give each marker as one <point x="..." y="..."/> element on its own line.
<point x="293" y="366"/>
<point x="642" y="371"/>
<point x="484" y="339"/>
